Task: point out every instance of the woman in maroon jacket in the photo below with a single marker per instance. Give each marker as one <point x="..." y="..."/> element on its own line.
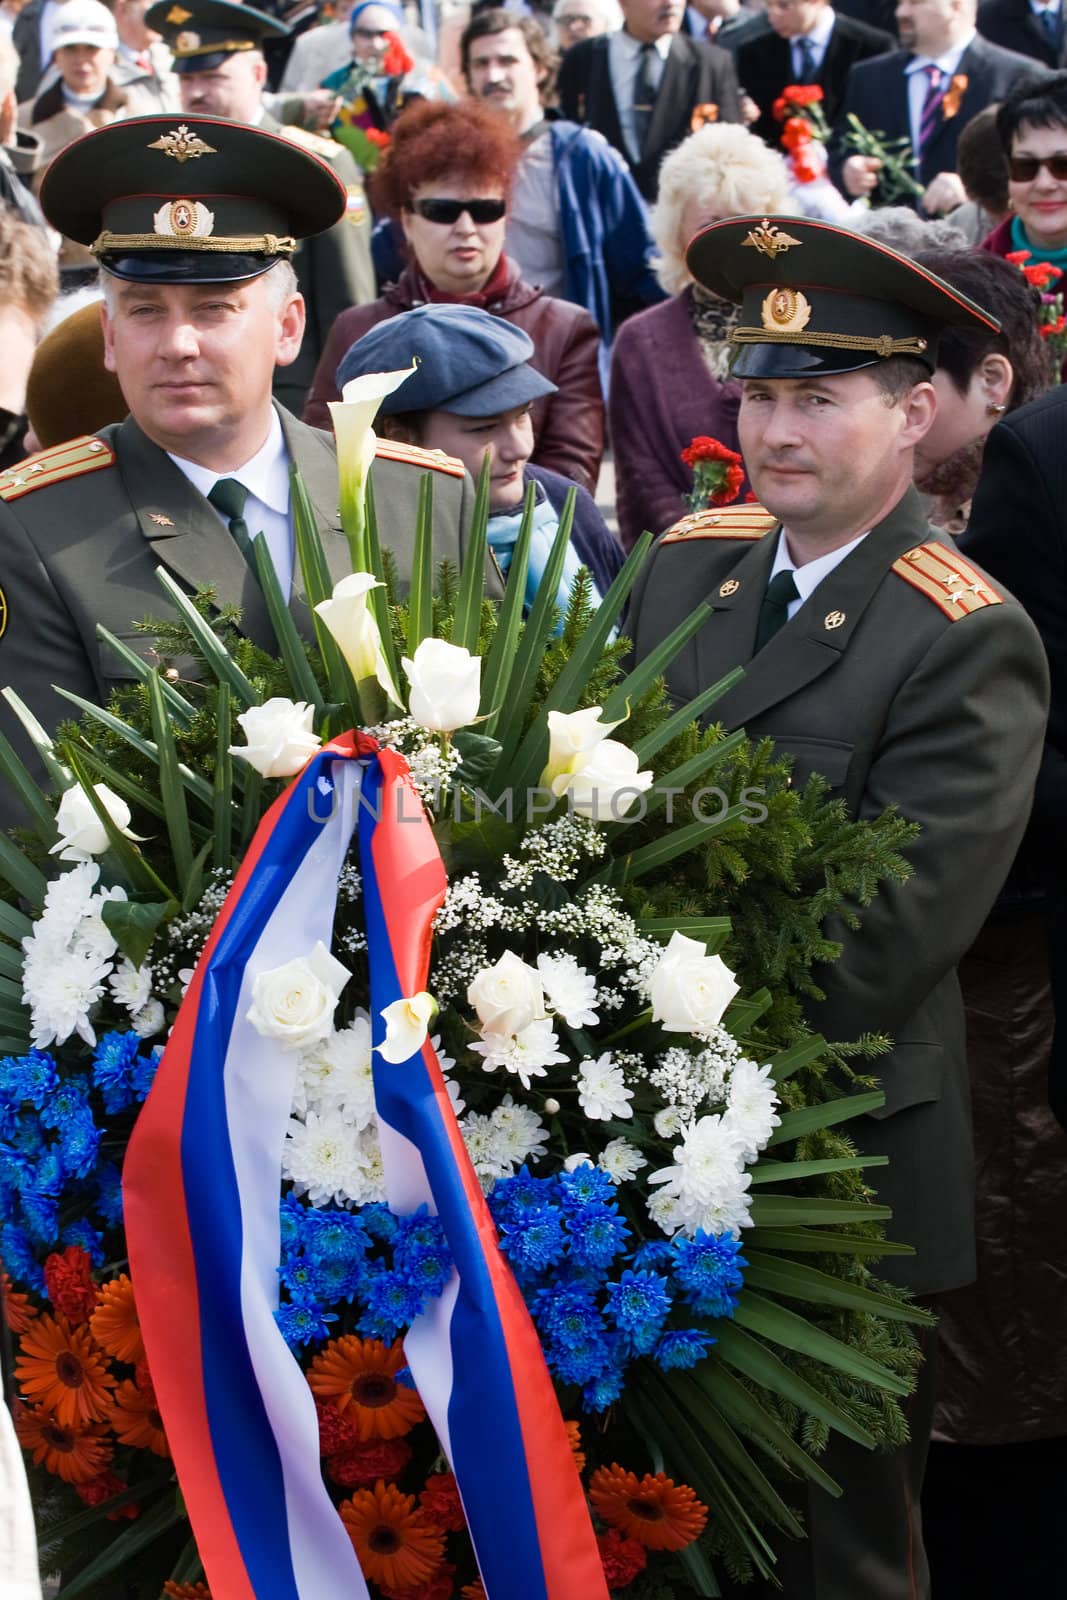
<point x="670" y="365"/>
<point x="446" y="178"/>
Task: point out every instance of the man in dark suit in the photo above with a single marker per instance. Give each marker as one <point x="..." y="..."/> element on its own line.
<point x="1018" y="529"/>
<point x="647" y="86"/>
<point x="925" y="93"/>
<point x="193" y="221"/>
<point x="877" y="658"/>
<point x="808" y="41"/>
<point x="1034" y="30"/>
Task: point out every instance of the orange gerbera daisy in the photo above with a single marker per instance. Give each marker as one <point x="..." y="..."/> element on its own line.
<point x="16" y="1308"/>
<point x="654" y="1510"/>
<point x="74" y="1454"/>
<point x="473" y="1591"/>
<point x="359" y="1375"/>
<point x="396" y="1543"/>
<point x="62" y="1371"/>
<point x="114" y="1322"/>
<point x="136" y="1419"/>
<point x="574" y="1437"/>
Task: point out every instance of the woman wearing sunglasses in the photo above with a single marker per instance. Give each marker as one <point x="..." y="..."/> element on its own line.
<point x="446" y="178"/>
<point x="1032" y="125"/>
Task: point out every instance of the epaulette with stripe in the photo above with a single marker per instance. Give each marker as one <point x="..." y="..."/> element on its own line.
<point x="70" y="460"/>
<point x="416" y="456"/>
<point x="944" y="577"/>
<point x="750" y="521"/>
<point x="325" y="149"/>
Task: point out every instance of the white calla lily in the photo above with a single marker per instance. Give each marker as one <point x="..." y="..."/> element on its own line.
<point x="349" y="619"/>
<point x="407" y="1024"/>
<point x="353" y="417"/>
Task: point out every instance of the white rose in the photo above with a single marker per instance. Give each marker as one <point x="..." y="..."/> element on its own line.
<point x="81" y="833"/>
<point x="446" y="685"/>
<point x="295" y="1003"/>
<point x="279" y="735"/>
<point x="606" y="784"/>
<point x="689" y="989"/>
<point x="407" y="1022"/>
<point x="348" y="617"/>
<point x="507" y="996"/>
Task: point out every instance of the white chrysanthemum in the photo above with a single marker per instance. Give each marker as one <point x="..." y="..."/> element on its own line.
<point x="455" y="1096"/>
<point x="668" y="1122"/>
<point x="323" y="1158"/>
<point x="602" y="1091"/>
<point x="751" y="1105"/>
<point x="132" y="986"/>
<point x="61" y="993"/>
<point x="66" y="902"/>
<point x="445" y="1062"/>
<point x="92" y="933"/>
<point x="570" y="991"/>
<point x="482" y="1140"/>
<point x="521" y="1135"/>
<point x="707" y="1183"/>
<point x="346" y="1080"/>
<point x="149" y="1020"/>
<point x="368" y="1185"/>
<point x="526" y="1054"/>
<point x="621" y="1160"/>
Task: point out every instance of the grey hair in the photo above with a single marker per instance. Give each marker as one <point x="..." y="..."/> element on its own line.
<point x="900" y="229"/>
<point x="609" y="11"/>
<point x="280" y="281"/>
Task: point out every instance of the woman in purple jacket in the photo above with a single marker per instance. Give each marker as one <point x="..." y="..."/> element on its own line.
<point x="670" y="365"/>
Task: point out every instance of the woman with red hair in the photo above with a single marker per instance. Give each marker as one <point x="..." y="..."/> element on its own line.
<point x="446" y="177"/>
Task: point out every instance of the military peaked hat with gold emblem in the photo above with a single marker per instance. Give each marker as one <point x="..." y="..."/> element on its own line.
<point x="817" y="299"/>
<point x="202" y="33"/>
<point x="189" y="199"/>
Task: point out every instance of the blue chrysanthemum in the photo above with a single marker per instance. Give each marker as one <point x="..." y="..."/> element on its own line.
<point x="79" y="1145"/>
<point x="579" y="1363"/>
<point x="40" y="1213"/>
<point x="109" y="1194"/>
<point x="567" y="1317"/>
<point x="144" y="1072"/>
<point x="330" y="1235"/>
<point x="708" y="1268"/>
<point x="292" y="1216"/>
<point x="392" y="1306"/>
<point x="85" y="1236"/>
<point x="336" y="1279"/>
<point x="302" y="1325"/>
<point x="597" y="1234"/>
<point x="583" y="1186"/>
<point x="379" y="1222"/>
<point x="533" y="1239"/>
<point x="513" y="1196"/>
<point x="657" y="1255"/>
<point x="602" y="1391"/>
<point x="31" y="1077"/>
<point x="682" y="1348"/>
<point x="19" y="1257"/>
<point x="296" y="1274"/>
<point x="113" y="1064"/>
<point x="638" y="1304"/>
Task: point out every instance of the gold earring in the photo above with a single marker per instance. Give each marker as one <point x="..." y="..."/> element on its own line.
<point x="995" y="410"/>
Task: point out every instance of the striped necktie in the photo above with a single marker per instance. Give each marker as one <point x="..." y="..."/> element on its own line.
<point x="807" y="59"/>
<point x="930" y="118"/>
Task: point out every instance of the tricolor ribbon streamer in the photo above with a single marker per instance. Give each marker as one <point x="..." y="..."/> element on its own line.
<point x="201" y="1189"/>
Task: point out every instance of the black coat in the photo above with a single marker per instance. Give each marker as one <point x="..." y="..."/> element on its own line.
<point x="695" y="74"/>
<point x="765" y="67"/>
<point x="1012" y="25"/>
<point x="1018" y="530"/>
<point x="26" y="37"/>
<point x="877" y="93"/>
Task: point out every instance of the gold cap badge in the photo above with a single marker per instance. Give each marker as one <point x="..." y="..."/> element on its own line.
<point x="769" y="239"/>
<point x="182" y="145"/>
<point x="785" y="311"/>
<point x="177" y="15"/>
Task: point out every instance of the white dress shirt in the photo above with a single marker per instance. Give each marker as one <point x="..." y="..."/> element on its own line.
<point x="819" y="38"/>
<point x="808" y="577"/>
<point x="919" y="82"/>
<point x="624" y="60"/>
<point x="266" y="477"/>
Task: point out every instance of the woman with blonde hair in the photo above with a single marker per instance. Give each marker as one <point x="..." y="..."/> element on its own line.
<point x="670" y="365"/>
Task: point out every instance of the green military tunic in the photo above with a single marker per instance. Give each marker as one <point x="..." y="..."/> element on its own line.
<point x="906" y="679"/>
<point x="84" y="527"/>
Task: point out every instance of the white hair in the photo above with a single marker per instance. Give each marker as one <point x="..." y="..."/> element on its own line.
<point x="280" y="282"/>
<point x="609" y="12"/>
<point x="730" y="172"/>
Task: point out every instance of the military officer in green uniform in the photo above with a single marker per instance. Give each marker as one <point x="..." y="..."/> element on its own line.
<point x="218" y="59"/>
<point x="876" y="656"/>
<point x="193" y="223"/>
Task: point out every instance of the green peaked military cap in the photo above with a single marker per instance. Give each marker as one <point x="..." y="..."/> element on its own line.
<point x="172" y="199"/>
<point x="200" y="34"/>
<point x="817" y="299"/>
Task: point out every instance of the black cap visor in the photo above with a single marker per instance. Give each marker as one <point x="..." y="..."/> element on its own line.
<point x="186" y="266"/>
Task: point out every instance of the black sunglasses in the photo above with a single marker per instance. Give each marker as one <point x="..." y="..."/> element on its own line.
<point x="450" y="211"/>
<point x="1024" y="169"/>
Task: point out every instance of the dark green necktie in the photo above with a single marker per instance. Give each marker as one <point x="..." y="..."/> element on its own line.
<point x="229" y="496"/>
<point x="644" y="94"/>
<point x="774" y="612"/>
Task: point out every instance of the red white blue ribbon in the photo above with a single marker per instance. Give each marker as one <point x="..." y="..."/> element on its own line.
<point x="201" y="1186"/>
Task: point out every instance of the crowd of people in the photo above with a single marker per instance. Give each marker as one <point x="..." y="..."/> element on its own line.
<point x="509" y="196"/>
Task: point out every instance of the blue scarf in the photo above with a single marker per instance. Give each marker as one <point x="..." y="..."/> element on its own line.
<point x="502" y="533"/>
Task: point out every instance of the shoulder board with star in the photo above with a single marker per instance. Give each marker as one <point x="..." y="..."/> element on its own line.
<point x="749" y="521"/>
<point x="325" y="149"/>
<point x="943" y="576"/>
<point x="416" y="456"/>
<point x="70" y="460"/>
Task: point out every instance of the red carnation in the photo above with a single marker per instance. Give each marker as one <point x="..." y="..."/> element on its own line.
<point x="1017" y="257"/>
<point x="69" y="1279"/>
<point x="102" y="1488"/>
<point x="439" y="1587"/>
<point x="1041" y="273"/>
<point x="802" y="94"/>
<point x="796" y="132"/>
<point x="378" y="137"/>
<point x="364" y="1464"/>
<point x="622" y="1558"/>
<point x="730" y="487"/>
<point x="395" y="61"/>
<point x="441" y="1503"/>
<point x="337" y="1432"/>
<point x="704" y="449"/>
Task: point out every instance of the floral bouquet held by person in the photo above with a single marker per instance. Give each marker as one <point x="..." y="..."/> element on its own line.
<point x="1043" y="276"/>
<point x="417" y="1178"/>
<point x="718" y="473"/>
<point x="805" y="135"/>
